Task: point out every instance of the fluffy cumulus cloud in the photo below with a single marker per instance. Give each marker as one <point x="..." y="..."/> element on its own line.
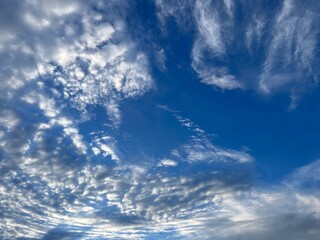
<point x="268" y="47"/>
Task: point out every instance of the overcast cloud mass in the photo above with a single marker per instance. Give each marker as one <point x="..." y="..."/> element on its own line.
<point x="186" y="119"/>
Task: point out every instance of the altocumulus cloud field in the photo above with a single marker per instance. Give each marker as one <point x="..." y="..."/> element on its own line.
<point x="186" y="119"/>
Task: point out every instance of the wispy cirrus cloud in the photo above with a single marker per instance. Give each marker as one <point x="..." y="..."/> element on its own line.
<point x="200" y="148"/>
<point x="292" y="54"/>
<point x="241" y="45"/>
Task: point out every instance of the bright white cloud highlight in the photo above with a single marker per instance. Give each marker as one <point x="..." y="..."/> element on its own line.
<point x="88" y="55"/>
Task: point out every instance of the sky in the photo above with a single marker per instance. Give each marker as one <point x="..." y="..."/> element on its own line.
<point x="159" y="119"/>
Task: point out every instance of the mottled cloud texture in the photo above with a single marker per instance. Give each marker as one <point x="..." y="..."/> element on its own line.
<point x="82" y="48"/>
<point x="58" y="181"/>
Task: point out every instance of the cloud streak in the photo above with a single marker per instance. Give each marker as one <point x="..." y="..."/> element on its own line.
<point x="199" y="147"/>
<point x="241" y="45"/>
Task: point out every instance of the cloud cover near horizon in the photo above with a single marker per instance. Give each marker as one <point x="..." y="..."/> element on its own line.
<point x="63" y="171"/>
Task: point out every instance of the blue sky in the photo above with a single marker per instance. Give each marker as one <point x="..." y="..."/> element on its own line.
<point x="159" y="119"/>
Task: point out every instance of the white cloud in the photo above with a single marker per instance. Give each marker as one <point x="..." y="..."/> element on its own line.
<point x="281" y="41"/>
<point x="105" y="145"/>
<point x="47" y="177"/>
<point x="167" y="163"/>
<point x="293" y="43"/>
<point x="53" y="185"/>
<point x="95" y="150"/>
<point x="306" y="177"/>
<point x="209" y="26"/>
<point x="254" y="31"/>
<point x="212" y="39"/>
<point x="178" y="10"/>
<point x="229" y="6"/>
<point x="9" y="119"/>
<point x="53" y="113"/>
<point x="200" y="148"/>
<point x="53" y="56"/>
<point x="88" y="55"/>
